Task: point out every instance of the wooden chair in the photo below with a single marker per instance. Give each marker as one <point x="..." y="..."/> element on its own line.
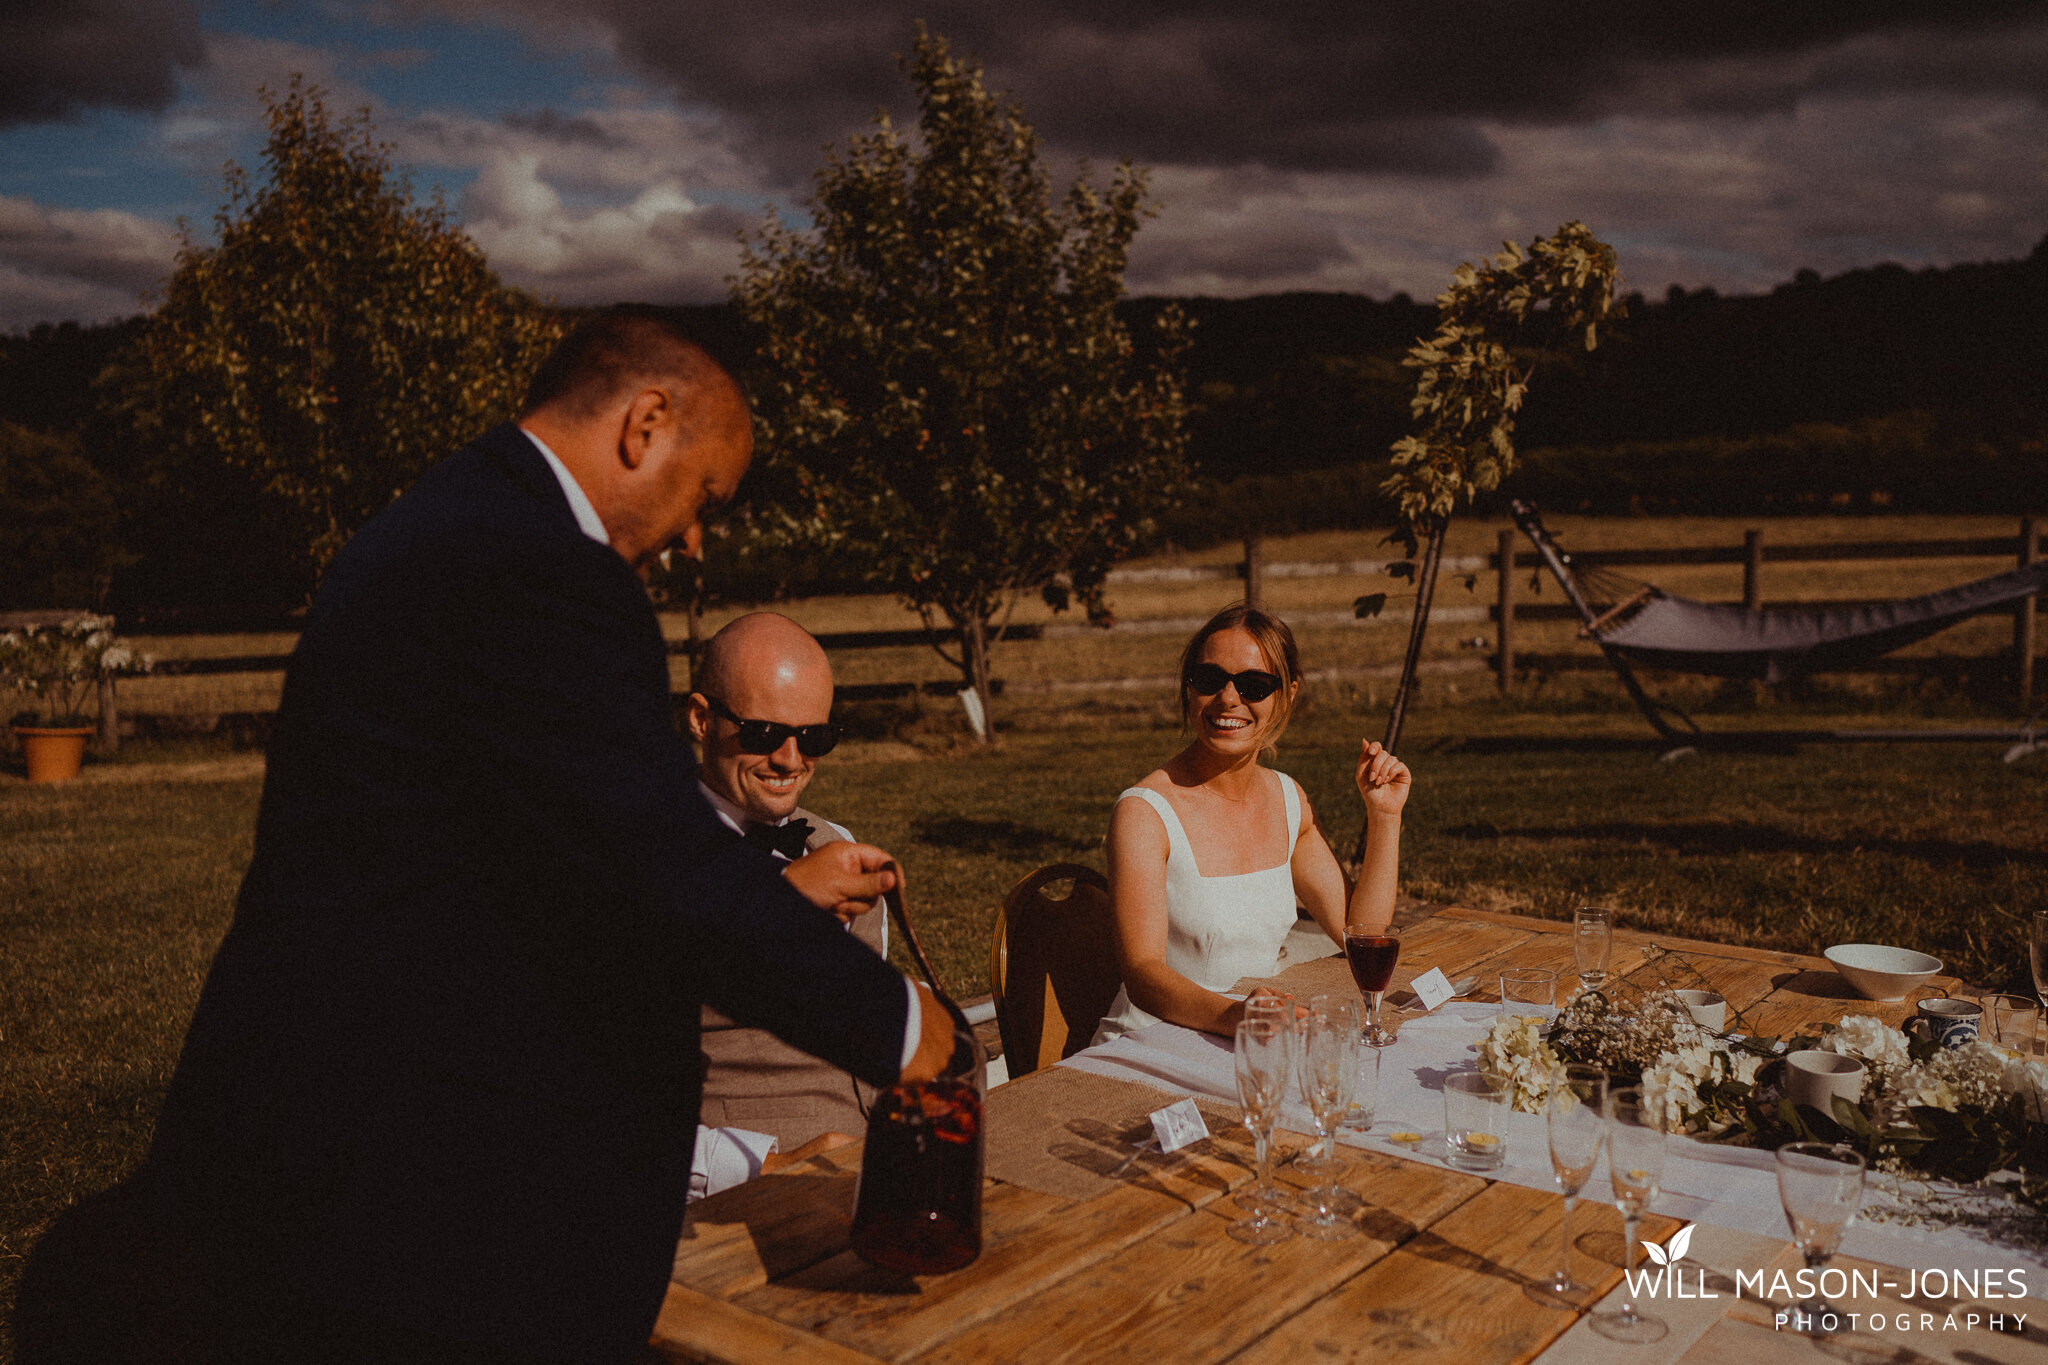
<point x="1052" y="966"/>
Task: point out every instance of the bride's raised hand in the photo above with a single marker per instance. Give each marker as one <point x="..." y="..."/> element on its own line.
<point x="1383" y="780"/>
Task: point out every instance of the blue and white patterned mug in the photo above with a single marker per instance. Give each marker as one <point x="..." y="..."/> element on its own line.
<point x="1949" y="1022"/>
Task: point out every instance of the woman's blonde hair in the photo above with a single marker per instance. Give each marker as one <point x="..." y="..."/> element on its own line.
<point x="1276" y="646"/>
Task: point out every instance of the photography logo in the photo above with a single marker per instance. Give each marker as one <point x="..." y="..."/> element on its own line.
<point x="1828" y="1299"/>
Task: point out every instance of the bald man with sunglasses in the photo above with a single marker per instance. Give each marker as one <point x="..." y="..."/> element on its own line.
<point x="762" y="713"/>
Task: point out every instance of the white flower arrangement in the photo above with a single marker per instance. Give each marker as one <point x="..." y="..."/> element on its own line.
<point x="61" y="665"/>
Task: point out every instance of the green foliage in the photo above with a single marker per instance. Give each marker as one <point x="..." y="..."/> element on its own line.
<point x="946" y="391"/>
<point x="339" y="338"/>
<point x="58" y="533"/>
<point x="1467" y="386"/>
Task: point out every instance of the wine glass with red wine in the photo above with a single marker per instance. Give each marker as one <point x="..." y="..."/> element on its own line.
<point x="1372" y="955"/>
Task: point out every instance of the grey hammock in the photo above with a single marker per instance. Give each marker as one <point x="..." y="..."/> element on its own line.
<point x="1657" y="629"/>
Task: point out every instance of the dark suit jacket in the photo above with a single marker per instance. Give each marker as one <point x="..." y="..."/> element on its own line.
<point x="753" y="1080"/>
<point x="445" y="1070"/>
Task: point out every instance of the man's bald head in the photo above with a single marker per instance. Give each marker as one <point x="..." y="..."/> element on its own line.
<point x="762" y="666"/>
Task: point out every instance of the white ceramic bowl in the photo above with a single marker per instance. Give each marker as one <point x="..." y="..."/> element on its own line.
<point x="1881" y="973"/>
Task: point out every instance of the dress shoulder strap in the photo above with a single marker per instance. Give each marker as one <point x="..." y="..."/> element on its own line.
<point x="1290" y="792"/>
<point x="1176" y="837"/>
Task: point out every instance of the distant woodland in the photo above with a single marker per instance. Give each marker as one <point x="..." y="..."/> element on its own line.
<point x="1880" y="389"/>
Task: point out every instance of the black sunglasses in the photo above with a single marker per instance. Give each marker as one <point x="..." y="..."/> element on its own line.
<point x="1206" y="680"/>
<point x="766" y="736"/>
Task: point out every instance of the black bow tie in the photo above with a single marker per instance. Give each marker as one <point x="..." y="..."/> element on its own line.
<point x="787" y="839"/>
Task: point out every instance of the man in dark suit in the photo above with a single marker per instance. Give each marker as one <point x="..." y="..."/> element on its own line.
<point x="439" y="1096"/>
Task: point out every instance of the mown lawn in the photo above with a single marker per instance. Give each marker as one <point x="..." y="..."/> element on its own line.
<point x="113" y="894"/>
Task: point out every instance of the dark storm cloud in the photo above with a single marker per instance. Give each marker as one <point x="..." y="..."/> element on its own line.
<point x="60" y="57"/>
<point x="1367" y="87"/>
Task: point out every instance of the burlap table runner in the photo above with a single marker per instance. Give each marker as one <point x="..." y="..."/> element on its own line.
<point x="1060" y="1131"/>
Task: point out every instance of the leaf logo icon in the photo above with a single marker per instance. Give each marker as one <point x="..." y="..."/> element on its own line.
<point x="1680" y="1241"/>
<point x="1655" y="1253"/>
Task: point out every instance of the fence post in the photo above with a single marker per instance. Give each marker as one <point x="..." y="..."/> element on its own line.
<point x="1254" y="570"/>
<point x="2023" y="616"/>
<point x="1504" y="636"/>
<point x="1753" y="570"/>
<point x="110" y="719"/>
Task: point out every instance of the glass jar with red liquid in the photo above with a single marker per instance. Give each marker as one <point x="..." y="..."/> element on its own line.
<point x="919" y="1207"/>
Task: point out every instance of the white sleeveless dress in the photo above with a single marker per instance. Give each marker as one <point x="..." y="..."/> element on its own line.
<point x="1218" y="929"/>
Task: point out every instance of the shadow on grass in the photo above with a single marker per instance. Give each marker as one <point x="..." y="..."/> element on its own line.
<point x="1008" y="838"/>
<point x="1707" y="838"/>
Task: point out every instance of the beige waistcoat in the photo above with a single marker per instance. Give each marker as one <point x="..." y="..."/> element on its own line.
<point x="754" y="1080"/>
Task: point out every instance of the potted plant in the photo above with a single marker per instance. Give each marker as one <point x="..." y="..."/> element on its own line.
<point x="60" y="664"/>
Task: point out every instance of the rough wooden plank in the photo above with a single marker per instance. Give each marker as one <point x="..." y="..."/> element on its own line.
<point x="741" y="1238"/>
<point x="1459" y="1291"/>
<point x="1191" y="1294"/>
<point x="696" y="1328"/>
<point x="1801" y="1000"/>
<point x="1030" y="1242"/>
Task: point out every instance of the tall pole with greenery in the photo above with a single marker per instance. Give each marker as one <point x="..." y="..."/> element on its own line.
<point x="1468" y="388"/>
<point x="945" y="390"/>
<point x="337" y="339"/>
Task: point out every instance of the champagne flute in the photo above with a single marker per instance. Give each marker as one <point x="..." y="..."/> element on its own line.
<point x="1635" y="1161"/>
<point x="1821" y="1186"/>
<point x="1276" y="1007"/>
<point x="1592" y="945"/>
<point x="1329" y="1073"/>
<point x="1577" y="1117"/>
<point x="2037" y="951"/>
<point x="1321" y="1160"/>
<point x="1372" y="955"/>
<point x="1265" y="1056"/>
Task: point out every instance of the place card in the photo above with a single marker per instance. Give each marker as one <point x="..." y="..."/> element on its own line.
<point x="1432" y="988"/>
<point x="1177" y="1125"/>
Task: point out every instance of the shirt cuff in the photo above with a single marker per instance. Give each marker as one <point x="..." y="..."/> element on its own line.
<point x="726" y="1157"/>
<point x="913" y="1027"/>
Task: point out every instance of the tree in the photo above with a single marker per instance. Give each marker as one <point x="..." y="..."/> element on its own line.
<point x="338" y="339"/>
<point x="59" y="537"/>
<point x="1468" y="389"/>
<point x="945" y="388"/>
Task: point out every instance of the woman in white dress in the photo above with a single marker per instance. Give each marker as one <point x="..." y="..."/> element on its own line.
<point x="1209" y="855"/>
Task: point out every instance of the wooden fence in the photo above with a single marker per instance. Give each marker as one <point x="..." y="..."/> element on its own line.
<point x="1255" y="571"/>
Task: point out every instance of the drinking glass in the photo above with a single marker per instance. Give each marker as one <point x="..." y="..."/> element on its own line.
<point x="1329" y="1055"/>
<point x="1635" y="1160"/>
<point x="1476" y="1120"/>
<point x="1278" y="1008"/>
<point x="2014" y="1022"/>
<point x="1592" y="945"/>
<point x="1577" y="1117"/>
<point x="1529" y="990"/>
<point x="1365" y="1092"/>
<point x="2037" y="952"/>
<point x="1321" y="1160"/>
<point x="1372" y="955"/>
<point x="1821" y="1186"/>
<point x="1265" y="1057"/>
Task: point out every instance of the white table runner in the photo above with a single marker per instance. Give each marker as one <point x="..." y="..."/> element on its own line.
<point x="1732" y="1187"/>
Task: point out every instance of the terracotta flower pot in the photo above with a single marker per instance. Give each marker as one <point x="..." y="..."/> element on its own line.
<point x="55" y="753"/>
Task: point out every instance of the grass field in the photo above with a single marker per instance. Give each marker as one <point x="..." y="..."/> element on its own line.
<point x="114" y="891"/>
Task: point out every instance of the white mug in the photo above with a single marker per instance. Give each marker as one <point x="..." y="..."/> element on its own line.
<point x="1708" y="1010"/>
<point x="1814" y="1078"/>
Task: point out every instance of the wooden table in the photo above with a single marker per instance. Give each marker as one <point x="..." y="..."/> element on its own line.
<point x="1442" y="1273"/>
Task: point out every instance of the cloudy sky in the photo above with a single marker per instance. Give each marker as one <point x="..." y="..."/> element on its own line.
<point x="611" y="149"/>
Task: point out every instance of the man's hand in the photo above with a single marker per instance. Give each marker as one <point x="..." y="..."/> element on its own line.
<point x="842" y="877"/>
